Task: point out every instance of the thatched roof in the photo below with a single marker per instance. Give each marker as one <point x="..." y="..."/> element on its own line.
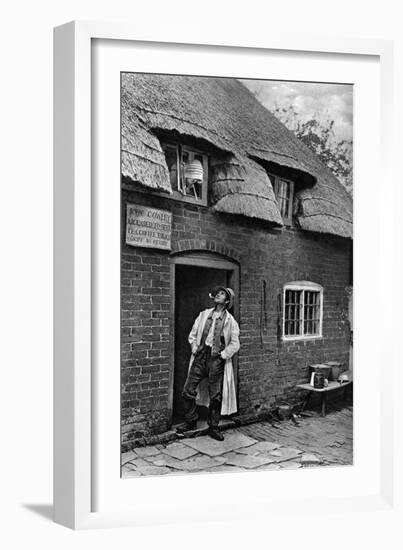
<point x="142" y="157"/>
<point x="243" y="188"/>
<point x="223" y="113"/>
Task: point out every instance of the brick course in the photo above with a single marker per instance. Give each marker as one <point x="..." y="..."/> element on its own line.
<point x="269" y="368"/>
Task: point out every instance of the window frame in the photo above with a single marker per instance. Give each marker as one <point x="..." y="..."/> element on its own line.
<point x="303" y="286"/>
<point x="275" y="181"/>
<point x="180" y="149"/>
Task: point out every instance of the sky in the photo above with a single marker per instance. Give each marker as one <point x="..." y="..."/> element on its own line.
<point x="319" y="101"/>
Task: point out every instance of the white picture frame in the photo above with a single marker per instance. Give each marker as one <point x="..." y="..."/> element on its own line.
<point x="81" y="477"/>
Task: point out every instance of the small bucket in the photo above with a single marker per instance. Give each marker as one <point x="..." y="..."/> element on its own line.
<point x="284" y="412"/>
<point x="335" y="369"/>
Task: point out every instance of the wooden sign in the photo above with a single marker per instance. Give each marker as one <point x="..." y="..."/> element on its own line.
<point x="148" y="227"/>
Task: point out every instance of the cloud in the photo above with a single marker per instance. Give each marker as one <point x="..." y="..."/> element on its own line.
<point x="310" y="100"/>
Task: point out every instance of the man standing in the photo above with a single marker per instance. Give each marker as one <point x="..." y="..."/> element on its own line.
<point x="214" y="339"/>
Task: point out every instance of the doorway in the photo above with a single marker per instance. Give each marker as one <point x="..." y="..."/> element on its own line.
<point x="194" y="278"/>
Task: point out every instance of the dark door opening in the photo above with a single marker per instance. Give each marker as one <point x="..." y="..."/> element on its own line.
<point x="192" y="287"/>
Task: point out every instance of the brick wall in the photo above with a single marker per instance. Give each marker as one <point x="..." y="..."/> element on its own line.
<point x="269" y="369"/>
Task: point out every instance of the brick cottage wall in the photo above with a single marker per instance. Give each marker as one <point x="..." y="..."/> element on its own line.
<point x="269" y="368"/>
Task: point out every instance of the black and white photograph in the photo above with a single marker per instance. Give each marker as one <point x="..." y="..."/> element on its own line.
<point x="236" y="275"/>
<point x="201" y="328"/>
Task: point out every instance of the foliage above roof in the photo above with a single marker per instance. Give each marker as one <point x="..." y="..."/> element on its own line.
<point x="224" y="113"/>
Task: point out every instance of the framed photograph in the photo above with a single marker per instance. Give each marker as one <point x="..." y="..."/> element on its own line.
<point x="216" y="219"/>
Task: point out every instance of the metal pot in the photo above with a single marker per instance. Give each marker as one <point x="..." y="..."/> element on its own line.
<point x="323" y="368"/>
<point x="319" y="380"/>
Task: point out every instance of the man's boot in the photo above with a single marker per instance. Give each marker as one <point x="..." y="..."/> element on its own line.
<point x="186" y="427"/>
<point x="215" y="434"/>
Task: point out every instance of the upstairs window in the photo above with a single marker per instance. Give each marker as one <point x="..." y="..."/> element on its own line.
<point x="302" y="311"/>
<point x="284" y="191"/>
<point x="188" y="172"/>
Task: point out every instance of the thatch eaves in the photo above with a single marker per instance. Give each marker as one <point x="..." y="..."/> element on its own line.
<point x="326" y="208"/>
<point x="243" y="187"/>
<point x="142" y="157"/>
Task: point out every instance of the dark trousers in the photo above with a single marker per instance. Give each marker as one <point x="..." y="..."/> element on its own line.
<point x="204" y="366"/>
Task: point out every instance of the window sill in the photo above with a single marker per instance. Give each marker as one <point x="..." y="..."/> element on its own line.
<point x="184" y="198"/>
<point x="175" y="195"/>
<point x="301" y="338"/>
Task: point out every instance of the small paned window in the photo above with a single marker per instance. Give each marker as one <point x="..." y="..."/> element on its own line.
<point x="188" y="173"/>
<point x="284" y="191"/>
<point x="302" y="312"/>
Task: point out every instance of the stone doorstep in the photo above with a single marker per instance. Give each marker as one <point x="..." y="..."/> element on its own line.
<point x="158" y="439"/>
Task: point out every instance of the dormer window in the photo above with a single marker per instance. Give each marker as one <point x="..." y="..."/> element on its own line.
<point x="284" y="191"/>
<point x="188" y="172"/>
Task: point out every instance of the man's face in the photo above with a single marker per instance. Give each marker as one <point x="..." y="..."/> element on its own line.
<point x="221" y="297"/>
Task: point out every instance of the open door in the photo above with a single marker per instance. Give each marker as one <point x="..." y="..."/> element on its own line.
<point x="193" y="283"/>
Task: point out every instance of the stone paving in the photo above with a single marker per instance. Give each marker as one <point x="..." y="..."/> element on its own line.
<point x="309" y="440"/>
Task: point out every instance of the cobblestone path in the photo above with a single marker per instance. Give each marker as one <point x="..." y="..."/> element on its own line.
<point x="315" y="441"/>
<point x="330" y="438"/>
